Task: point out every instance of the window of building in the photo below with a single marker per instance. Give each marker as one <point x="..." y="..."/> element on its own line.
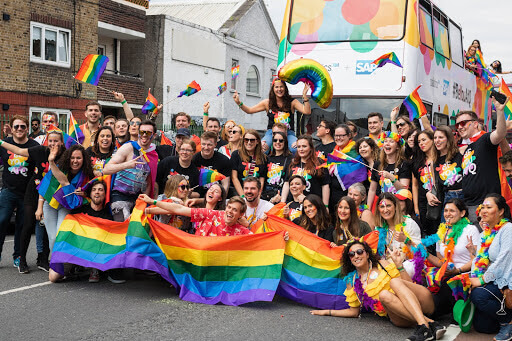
<point x="102" y="49"/>
<point x="63" y="115"/>
<point x="253" y="81"/>
<point x="50" y="44"/>
<point x="272" y="75"/>
<point x="234" y="63"/>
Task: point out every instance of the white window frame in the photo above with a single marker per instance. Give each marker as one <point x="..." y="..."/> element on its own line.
<point x="257" y="81"/>
<point x="42" y="59"/>
<point x="104" y="47"/>
<point x="38" y="111"/>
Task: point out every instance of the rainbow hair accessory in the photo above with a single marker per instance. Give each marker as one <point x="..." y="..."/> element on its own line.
<point x="312" y="73"/>
<point x="390" y="135"/>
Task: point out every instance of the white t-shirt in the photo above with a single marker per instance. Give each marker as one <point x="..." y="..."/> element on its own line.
<point x="254" y="214"/>
<point x="412" y="229"/>
<point x="461" y="255"/>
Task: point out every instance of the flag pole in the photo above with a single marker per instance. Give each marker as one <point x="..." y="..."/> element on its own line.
<point x="107" y="90"/>
<point x="364" y="164"/>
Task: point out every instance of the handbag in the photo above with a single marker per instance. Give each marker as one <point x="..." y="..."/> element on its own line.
<point x="434" y="212"/>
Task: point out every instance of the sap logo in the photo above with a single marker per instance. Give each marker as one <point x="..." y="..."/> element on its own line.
<point x="446" y="87"/>
<point x="365" y="67"/>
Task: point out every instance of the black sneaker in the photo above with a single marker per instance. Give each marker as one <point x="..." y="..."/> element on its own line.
<point x="437" y="329"/>
<point x="422" y="333"/>
<point x="43" y="264"/>
<point x="23" y="267"/>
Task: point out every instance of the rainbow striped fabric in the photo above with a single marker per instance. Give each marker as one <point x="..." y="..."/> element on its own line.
<point x="414" y="105"/>
<point x="223" y="87"/>
<point x="235" y="71"/>
<point x="74" y="130"/>
<point x="460" y="286"/>
<point x="506" y="91"/>
<point x="105" y="244"/>
<point x="191" y="89"/>
<point x="343" y="164"/>
<point x="92" y="68"/>
<point x="207" y="176"/>
<point x="151" y="105"/>
<point x="230" y="270"/>
<point x="387" y="58"/>
<point x="53" y="192"/>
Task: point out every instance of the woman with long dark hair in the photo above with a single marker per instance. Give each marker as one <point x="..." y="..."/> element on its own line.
<point x="101" y="151"/>
<point x="348" y="224"/>
<point x="278" y="161"/>
<point x="369" y="151"/>
<point x="248" y="161"/>
<point x="315" y="218"/>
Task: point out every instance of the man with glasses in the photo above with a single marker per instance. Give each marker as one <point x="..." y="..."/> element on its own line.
<point x="209" y="158"/>
<point x="325" y="132"/>
<point x="375" y="124"/>
<point x="36" y="128"/>
<point x="91" y="126"/>
<point x="479" y="161"/>
<point x="15" y="177"/>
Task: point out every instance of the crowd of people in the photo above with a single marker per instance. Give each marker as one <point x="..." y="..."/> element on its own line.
<point x="417" y="184"/>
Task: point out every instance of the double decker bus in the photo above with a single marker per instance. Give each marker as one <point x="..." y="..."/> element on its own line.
<point x="347" y="35"/>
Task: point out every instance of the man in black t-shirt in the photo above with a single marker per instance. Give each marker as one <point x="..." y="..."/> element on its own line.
<point x="325" y="132"/>
<point x="209" y="158"/>
<point x="36" y="128"/>
<point x="96" y="207"/>
<point x="479" y="159"/>
<point x="16" y="175"/>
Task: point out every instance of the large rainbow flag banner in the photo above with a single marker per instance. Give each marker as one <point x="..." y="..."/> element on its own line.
<point x="191" y="89"/>
<point x="74" y="130"/>
<point x="104" y="244"/>
<point x="92" y="68"/>
<point x="207" y="176"/>
<point x="414" y="105"/>
<point x="506" y="91"/>
<point x="229" y="270"/>
<point x="387" y="58"/>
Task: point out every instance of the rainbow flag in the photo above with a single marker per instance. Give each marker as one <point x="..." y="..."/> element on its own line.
<point x="235" y="71"/>
<point x="151" y="105"/>
<point x="223" y="87"/>
<point x="207" y="176"/>
<point x="483" y="71"/>
<point x="506" y="91"/>
<point x="414" y="105"/>
<point x="164" y="140"/>
<point x="47" y="187"/>
<point x="387" y="58"/>
<point x="104" y="244"/>
<point x="460" y="286"/>
<point x="92" y="68"/>
<point x="192" y="88"/>
<point x="68" y="140"/>
<point x="230" y="270"/>
<point x="107" y="179"/>
<point x="343" y="164"/>
<point x="74" y="130"/>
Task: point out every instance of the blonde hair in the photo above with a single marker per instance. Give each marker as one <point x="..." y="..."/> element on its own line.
<point x="171" y="185"/>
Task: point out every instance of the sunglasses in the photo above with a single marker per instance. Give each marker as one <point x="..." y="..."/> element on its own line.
<point x="400" y="125"/>
<point x="184" y="187"/>
<point x="145" y="132"/>
<point x="462" y="123"/>
<point x="20" y="126"/>
<point x="249" y="140"/>
<point x="135" y="123"/>
<point x="359" y="252"/>
<point x="235" y="131"/>
<point x="278" y="140"/>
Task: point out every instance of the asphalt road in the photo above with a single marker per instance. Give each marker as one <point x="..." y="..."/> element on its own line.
<point x="147" y="308"/>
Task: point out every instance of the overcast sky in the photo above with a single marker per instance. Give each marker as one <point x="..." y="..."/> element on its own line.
<point x="486" y="21"/>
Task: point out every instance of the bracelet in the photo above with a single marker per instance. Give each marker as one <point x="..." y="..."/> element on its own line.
<point x="305" y="100"/>
<point x="154" y="202"/>
<point x="241" y="105"/>
<point x="393" y="122"/>
<point x="460" y="270"/>
<point x="123" y="102"/>
<point x="1" y="142"/>
<point x="481" y="280"/>
<point x="41" y="199"/>
<point x="205" y="114"/>
<point x="407" y="241"/>
<point x="326" y="205"/>
<point x="400" y="269"/>
<point x="394" y="180"/>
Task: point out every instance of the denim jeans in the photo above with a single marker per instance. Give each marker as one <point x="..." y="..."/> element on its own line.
<point x="53" y="218"/>
<point x="40" y="232"/>
<point x="487" y="306"/>
<point x="291" y="139"/>
<point x="8" y="201"/>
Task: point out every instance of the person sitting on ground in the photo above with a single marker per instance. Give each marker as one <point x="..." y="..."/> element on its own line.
<point x="385" y="288"/>
<point x="348" y="224"/>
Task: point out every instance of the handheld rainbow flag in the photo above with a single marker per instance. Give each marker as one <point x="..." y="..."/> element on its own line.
<point x="151" y="105"/>
<point x="207" y="176"/>
<point x="223" y="87"/>
<point x="387" y="58"/>
<point x="92" y="68"/>
<point x="506" y="91"/>
<point x="347" y="165"/>
<point x="164" y="140"/>
<point x="74" y="130"/>
<point x="414" y="105"/>
<point x="235" y="71"/>
<point x="192" y="88"/>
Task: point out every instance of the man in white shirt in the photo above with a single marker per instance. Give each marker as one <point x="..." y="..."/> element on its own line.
<point x="256" y="206"/>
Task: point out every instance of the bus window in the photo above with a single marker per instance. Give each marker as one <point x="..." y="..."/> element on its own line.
<point x="456" y="44"/>
<point x="320" y="21"/>
<point x="426" y="29"/>
<point x="442" y="44"/>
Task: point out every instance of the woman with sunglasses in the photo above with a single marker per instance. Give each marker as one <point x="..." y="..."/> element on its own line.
<point x="491" y="275"/>
<point x="133" y="130"/>
<point x="305" y="163"/>
<point x="470" y="60"/>
<point x="280" y="107"/>
<point x="348" y="224"/>
<point x="101" y="151"/>
<point x="248" y="161"/>
<point x="234" y="141"/>
<point x="226" y="130"/>
<point x="38" y="156"/>
<point x="315" y="218"/>
<point x="277" y="165"/>
<point x="358" y="193"/>
<point x="293" y="209"/>
<point x="392" y="172"/>
<point x="385" y="288"/>
<point x="369" y="151"/>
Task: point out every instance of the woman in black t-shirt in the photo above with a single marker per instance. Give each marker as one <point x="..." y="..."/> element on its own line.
<point x="277" y="165"/>
<point x="248" y="161"/>
<point x="369" y="151"/>
<point x="101" y="151"/>
<point x="293" y="209"/>
<point x="315" y="218"/>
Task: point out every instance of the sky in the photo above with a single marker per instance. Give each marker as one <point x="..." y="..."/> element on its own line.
<point x="486" y="21"/>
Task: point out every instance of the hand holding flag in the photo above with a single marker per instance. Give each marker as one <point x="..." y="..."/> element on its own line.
<point x="414" y="105"/>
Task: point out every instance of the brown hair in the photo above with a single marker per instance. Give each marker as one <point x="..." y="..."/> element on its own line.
<point x="237" y="199"/>
<point x="312" y="161"/>
<point x="451" y="144"/>
<point x="287" y="99"/>
<point x="189" y="119"/>
<point x="224" y="133"/>
<point x="190" y="143"/>
<point x="398" y="218"/>
<point x="473" y="115"/>
<point x="19" y="117"/>
<point x="171" y="185"/>
<point x="258" y="153"/>
<point x="209" y="135"/>
<point x="373" y="145"/>
<point x="353" y="220"/>
<point x="280" y="125"/>
<point x="92" y="103"/>
<point x="399" y="157"/>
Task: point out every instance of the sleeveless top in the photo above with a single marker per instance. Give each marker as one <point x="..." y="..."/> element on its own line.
<point x="132" y="181"/>
<point x="281" y="117"/>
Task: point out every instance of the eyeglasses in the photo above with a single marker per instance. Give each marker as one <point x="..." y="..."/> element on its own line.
<point x="359" y="252"/>
<point x="462" y="123"/>
<point x="278" y="140"/>
<point x="321" y="126"/>
<point x="186" y="150"/>
<point x="145" y="132"/>
<point x="249" y="140"/>
<point x="400" y="125"/>
<point x="340" y="136"/>
<point x="133" y="123"/>
<point x="20" y="126"/>
<point x="184" y="187"/>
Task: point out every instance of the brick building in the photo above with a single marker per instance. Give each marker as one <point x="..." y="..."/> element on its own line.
<point x="43" y="43"/>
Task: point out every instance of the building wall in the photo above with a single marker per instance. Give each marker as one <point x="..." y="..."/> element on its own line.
<point x="118" y="14"/>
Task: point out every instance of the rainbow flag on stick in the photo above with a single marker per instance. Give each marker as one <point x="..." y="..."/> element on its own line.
<point x="151" y="105"/>
<point x="223" y="87"/>
<point x="207" y="176"/>
<point x="230" y="270"/>
<point x="387" y="58"/>
<point x="92" y="68"/>
<point x="345" y="166"/>
<point x="235" y="71"/>
<point x="191" y="89"/>
<point x="506" y="91"/>
<point x="414" y="105"/>
<point x="74" y="130"/>
<point x="68" y="140"/>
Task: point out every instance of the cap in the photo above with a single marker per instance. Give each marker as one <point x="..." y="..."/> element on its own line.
<point x="403" y="194"/>
<point x="183" y="131"/>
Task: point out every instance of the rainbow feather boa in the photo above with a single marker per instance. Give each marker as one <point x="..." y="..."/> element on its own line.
<point x="482" y="257"/>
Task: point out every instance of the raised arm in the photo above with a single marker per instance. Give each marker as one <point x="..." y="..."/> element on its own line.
<point x="393" y="116"/>
<point x="261" y="106"/>
<point x="57" y="173"/>
<point x="14" y="149"/>
<point x="127" y="110"/>
<point x="170" y="207"/>
<point x="501" y="123"/>
<point x="122" y="160"/>
<point x="206" y="109"/>
<point x="304" y="107"/>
